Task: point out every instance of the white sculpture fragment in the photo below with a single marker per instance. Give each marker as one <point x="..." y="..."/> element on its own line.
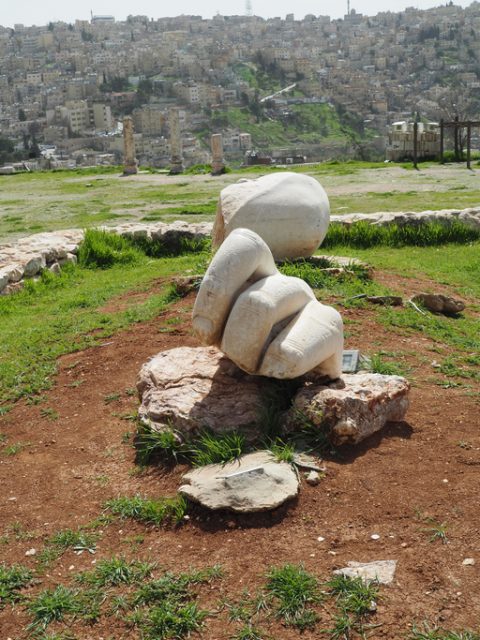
<point x="290" y="211"/>
<point x="267" y="323"/>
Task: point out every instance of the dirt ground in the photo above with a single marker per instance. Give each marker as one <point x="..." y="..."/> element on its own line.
<point x="388" y="486"/>
<point x="393" y="177"/>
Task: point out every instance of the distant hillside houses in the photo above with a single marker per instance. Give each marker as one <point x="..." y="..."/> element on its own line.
<point x="64" y="84"/>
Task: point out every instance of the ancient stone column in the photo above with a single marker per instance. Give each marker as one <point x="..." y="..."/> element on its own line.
<point x="218" y="162"/>
<point x="130" y="165"/>
<point x="176" y="156"/>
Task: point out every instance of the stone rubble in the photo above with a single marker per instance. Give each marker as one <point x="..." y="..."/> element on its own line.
<point x="27" y="256"/>
<point x="254" y="482"/>
<point x="469" y="216"/>
<point x="353" y="407"/>
<point x="188" y="389"/>
<point x="382" y="571"/>
<point x="313" y="478"/>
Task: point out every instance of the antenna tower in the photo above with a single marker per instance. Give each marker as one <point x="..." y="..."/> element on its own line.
<point x="248" y="8"/>
<point x="348" y="7"/>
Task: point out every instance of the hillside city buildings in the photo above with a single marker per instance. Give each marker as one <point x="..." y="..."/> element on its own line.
<point x="64" y="88"/>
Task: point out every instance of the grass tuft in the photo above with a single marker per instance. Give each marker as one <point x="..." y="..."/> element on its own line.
<point x="147" y="510"/>
<point x="386" y="368"/>
<point x="164" y="608"/>
<point x="174" y="587"/>
<point x="353" y="594"/>
<point x="283" y="451"/>
<point x="116" y="571"/>
<point x="103" y="249"/>
<point x="356" y="600"/>
<point x="151" y="444"/>
<point x="294" y="588"/>
<point x="52" y="605"/>
<point x="206" y="448"/>
<point x="170" y="620"/>
<point x="436" y="633"/>
<point x="12" y="580"/>
<point x="248" y="632"/>
<point x="211" y="448"/>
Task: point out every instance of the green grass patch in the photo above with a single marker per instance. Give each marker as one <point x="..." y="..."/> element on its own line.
<point x="362" y="235"/>
<point x="166" y="608"/>
<point x="210" y="448"/>
<point x="52" y="605"/>
<point x="149" y="511"/>
<point x="356" y="602"/>
<point x="101" y="250"/>
<point x="116" y="571"/>
<point x="174" y="586"/>
<point x="283" y="451"/>
<point x="204" y="448"/>
<point x="62" y="314"/>
<point x="378" y="364"/>
<point x="293" y="589"/>
<point x="13" y="579"/>
<point x="64" y="540"/>
<point x="437" y="633"/>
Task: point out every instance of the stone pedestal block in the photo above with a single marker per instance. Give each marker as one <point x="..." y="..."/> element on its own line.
<point x="189" y="389"/>
<point x="353" y="407"/>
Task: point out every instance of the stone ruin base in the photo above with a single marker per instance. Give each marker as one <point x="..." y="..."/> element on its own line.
<point x="189" y="389"/>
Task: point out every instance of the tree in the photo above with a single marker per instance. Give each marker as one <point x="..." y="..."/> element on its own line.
<point x="86" y="36"/>
<point x="144" y="91"/>
<point x="6" y="150"/>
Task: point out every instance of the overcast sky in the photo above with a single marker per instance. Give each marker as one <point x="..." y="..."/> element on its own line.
<point x="41" y="12"/>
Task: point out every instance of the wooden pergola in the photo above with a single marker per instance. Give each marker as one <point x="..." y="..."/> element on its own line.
<point x="457" y="125"/>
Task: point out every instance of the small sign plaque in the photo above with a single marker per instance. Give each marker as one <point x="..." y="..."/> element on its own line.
<point x="350" y="361"/>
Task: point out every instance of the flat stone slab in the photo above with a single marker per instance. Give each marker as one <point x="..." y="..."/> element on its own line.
<point x="439" y="303"/>
<point x="353" y="407"/>
<point x="254" y="482"/>
<point x="192" y="388"/>
<point x="381" y="571"/>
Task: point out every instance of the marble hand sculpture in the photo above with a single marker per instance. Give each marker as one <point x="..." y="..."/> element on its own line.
<point x="267" y="323"/>
<point x="290" y="211"/>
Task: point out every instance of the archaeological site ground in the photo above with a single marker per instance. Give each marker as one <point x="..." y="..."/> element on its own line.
<point x="95" y="541"/>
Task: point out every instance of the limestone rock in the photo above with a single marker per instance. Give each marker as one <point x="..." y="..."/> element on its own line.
<point x="313" y="478"/>
<point x="16" y="272"/>
<point x="188" y="389"/>
<point x="470" y="217"/>
<point x="308" y="461"/>
<point x="34" y="265"/>
<point x="55" y="268"/>
<point x="69" y="258"/>
<point x="353" y="407"/>
<point x="382" y="571"/>
<point x="4" y="278"/>
<point x="13" y="287"/>
<point x="439" y="303"/>
<point x="10" y="273"/>
<point x="255" y="482"/>
<point x="339" y="261"/>
<point x="290" y="211"/>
